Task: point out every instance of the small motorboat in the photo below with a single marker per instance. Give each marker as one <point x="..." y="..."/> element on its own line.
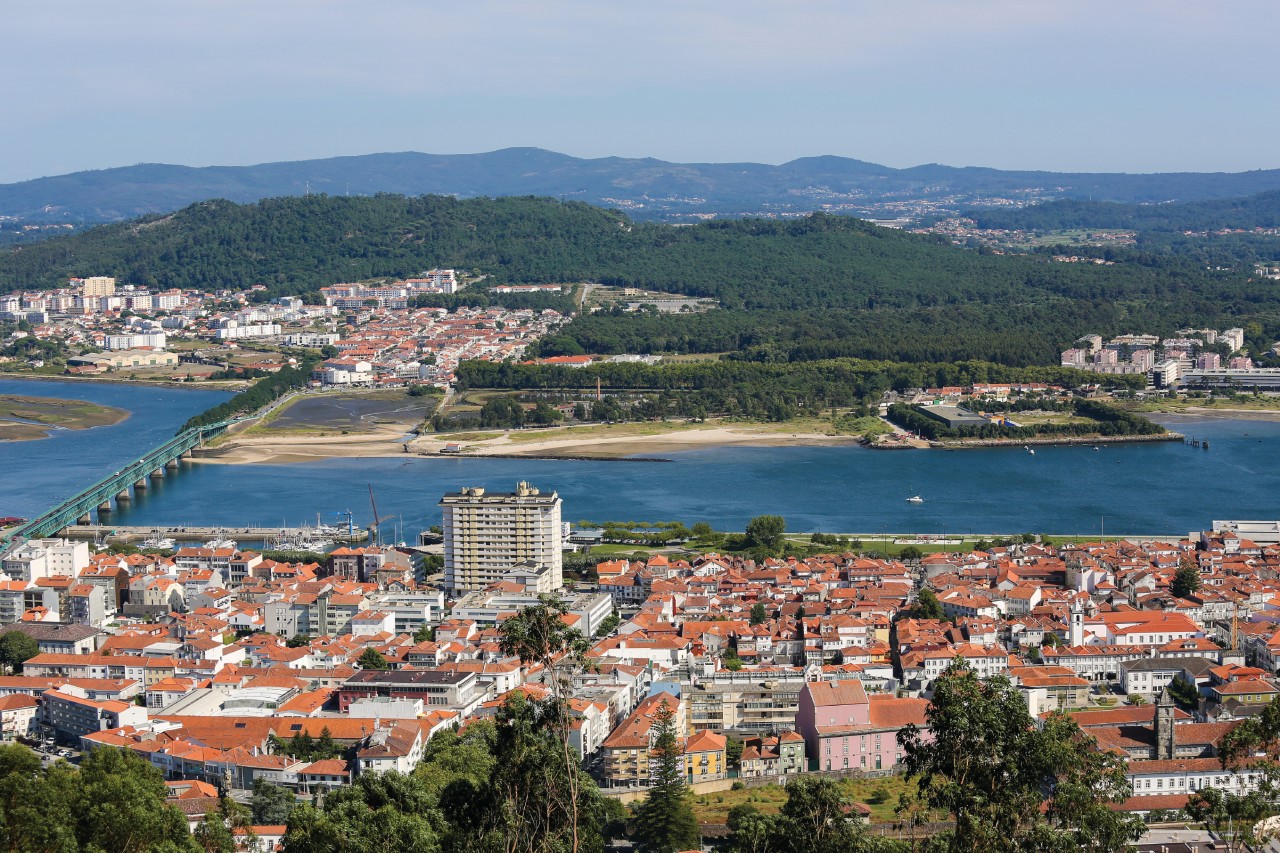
<point x="915" y="499"/>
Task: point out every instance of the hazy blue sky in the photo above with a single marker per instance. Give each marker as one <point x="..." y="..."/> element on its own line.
<point x="1066" y="85"/>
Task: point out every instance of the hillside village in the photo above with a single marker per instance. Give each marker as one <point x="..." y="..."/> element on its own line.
<point x="369" y="334"/>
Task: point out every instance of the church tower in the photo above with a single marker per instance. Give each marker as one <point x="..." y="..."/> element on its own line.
<point x="1165" y="741"/>
<point x="1075" y="636"/>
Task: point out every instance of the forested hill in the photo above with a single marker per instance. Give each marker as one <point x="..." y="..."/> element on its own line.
<point x="649" y="189"/>
<point x="296" y="245"/>
<point x="1255" y="211"/>
<point x="818" y="287"/>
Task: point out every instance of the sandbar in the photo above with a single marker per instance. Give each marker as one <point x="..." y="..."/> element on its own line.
<point x="550" y="443"/>
<point x="24" y="418"/>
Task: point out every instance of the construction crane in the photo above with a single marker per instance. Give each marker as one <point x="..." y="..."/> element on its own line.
<point x="351" y="524"/>
<point x="374" y="536"/>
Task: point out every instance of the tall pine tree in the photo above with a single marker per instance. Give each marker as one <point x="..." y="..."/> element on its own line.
<point x="665" y="822"/>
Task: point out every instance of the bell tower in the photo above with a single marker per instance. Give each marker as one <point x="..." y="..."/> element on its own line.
<point x="1075" y="636"/>
<point x="1163" y="724"/>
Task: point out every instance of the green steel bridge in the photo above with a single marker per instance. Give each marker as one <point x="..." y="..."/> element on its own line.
<point x="135" y="475"/>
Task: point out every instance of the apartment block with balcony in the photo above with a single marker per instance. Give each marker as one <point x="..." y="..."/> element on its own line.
<point x="486" y="534"/>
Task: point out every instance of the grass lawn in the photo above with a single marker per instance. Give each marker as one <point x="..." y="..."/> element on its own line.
<point x="768" y="799"/>
<point x="612" y="550"/>
<point x="1165" y="406"/>
<point x="1037" y="418"/>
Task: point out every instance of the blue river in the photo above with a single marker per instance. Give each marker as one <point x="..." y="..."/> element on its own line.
<point x="1165" y="488"/>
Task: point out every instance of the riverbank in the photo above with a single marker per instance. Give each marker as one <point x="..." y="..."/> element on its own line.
<point x="1217" y="413"/>
<point x="108" y="379"/>
<point x="1051" y="441"/>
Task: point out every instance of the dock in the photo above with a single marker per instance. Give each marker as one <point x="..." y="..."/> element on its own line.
<point x="124" y="534"/>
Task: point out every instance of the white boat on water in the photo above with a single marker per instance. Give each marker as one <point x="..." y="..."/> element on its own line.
<point x="162" y="543"/>
<point x="1031" y="450"/>
<point x="915" y="499"/>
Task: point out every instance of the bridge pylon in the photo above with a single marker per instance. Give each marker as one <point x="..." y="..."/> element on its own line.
<point x="142" y="485"/>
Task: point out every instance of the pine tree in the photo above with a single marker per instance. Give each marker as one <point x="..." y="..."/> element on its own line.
<point x="1186" y="580"/>
<point x="665" y="822"/>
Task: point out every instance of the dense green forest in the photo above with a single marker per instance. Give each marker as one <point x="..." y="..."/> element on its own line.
<point x="1104" y="420"/>
<point x="820" y="287"/>
<point x="735" y="388"/>
<point x="1016" y="335"/>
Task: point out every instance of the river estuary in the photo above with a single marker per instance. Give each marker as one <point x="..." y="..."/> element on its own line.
<point x="1162" y="488"/>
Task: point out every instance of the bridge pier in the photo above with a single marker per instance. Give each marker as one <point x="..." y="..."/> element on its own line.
<point x="157" y="474"/>
<point x="124" y="497"/>
<point x="104" y="507"/>
<point x="172" y="465"/>
<point x="142" y="485"/>
<point x="85" y="519"/>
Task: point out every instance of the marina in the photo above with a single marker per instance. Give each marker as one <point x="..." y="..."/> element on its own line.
<point x="277" y="538"/>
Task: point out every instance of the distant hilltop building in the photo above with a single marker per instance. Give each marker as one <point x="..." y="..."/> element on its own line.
<point x="434" y="281"/>
<point x="97" y="285"/>
<point x="528" y="288"/>
<point x="492" y="536"/>
<point x="394" y="296"/>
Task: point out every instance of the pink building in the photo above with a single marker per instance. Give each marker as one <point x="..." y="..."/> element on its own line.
<point x="1208" y="361"/>
<point x="843" y="728"/>
<point x="1074" y="357"/>
<point x="1143" y="359"/>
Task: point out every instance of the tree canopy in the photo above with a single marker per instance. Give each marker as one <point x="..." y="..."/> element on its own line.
<point x="986" y="763"/>
<point x="16" y="648"/>
<point x="766" y="531"/>
<point x="664" y="820"/>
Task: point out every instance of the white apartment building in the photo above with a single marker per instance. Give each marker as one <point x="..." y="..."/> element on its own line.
<point x="234" y="332"/>
<point x="154" y="340"/>
<point x="42" y="558"/>
<point x="312" y="339"/>
<point x="488" y="533"/>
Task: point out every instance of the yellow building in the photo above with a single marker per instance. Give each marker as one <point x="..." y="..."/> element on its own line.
<point x="704" y="757"/>
<point x="626" y="750"/>
<point x="97" y="285"/>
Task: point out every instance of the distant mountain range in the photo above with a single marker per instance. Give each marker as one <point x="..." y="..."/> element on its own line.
<point x="645" y="189"/>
